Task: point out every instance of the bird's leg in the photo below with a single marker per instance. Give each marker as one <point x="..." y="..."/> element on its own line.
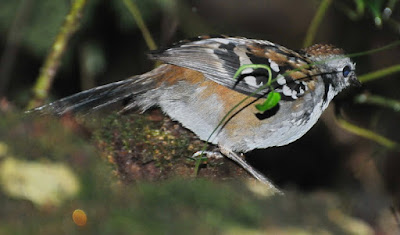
<point x="233" y="156"/>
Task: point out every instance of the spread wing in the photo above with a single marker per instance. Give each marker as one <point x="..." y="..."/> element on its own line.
<point x="219" y="58"/>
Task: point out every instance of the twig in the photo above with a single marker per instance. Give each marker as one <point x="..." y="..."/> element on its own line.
<point x="367" y="98"/>
<point x="316" y="21"/>
<point x="379" y="73"/>
<point x="140" y="22"/>
<point x="52" y="62"/>
<point x="375" y="50"/>
<point x="366" y="133"/>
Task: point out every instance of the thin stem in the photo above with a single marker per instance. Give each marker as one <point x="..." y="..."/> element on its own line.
<point x="140" y="22"/>
<point x="254" y="66"/>
<point x="378" y="100"/>
<point x="316" y="21"/>
<point x="366" y="133"/>
<point x="376" y="50"/>
<point x="53" y="59"/>
<point x="197" y="166"/>
<point x="379" y="73"/>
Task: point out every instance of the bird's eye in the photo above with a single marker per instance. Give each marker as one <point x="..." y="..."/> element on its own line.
<point x="346" y="71"/>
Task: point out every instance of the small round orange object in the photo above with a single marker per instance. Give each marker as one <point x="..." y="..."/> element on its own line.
<point x="79" y="217"/>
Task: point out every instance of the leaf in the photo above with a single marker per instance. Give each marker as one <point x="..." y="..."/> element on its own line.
<point x="272" y="100"/>
<point x="41" y="183"/>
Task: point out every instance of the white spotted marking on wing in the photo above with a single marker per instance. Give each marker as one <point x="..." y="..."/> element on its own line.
<point x="294" y="94"/>
<point x="280" y="80"/>
<point x="274" y="66"/>
<point x="251" y="80"/>
<point x="286" y="91"/>
<point x="243" y="58"/>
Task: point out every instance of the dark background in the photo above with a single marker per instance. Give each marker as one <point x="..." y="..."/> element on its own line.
<point x="110" y="47"/>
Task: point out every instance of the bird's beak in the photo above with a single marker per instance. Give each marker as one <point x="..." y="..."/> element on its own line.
<point x="354" y="81"/>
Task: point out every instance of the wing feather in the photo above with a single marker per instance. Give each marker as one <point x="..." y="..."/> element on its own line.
<point x="220" y="58"/>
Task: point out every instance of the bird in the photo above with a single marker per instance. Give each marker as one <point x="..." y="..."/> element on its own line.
<point x="214" y="86"/>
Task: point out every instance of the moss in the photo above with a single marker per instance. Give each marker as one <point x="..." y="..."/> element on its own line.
<point x="152" y="147"/>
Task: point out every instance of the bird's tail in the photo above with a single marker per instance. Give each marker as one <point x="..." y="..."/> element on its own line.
<point x="99" y="97"/>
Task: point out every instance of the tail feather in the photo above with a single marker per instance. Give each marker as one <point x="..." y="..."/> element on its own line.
<point x="99" y="97"/>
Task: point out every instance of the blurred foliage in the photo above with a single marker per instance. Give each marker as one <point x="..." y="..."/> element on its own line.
<point x="173" y="206"/>
<point x="47" y="16"/>
<point x="380" y="10"/>
<point x="148" y="10"/>
<point x="17" y="131"/>
<point x="113" y="194"/>
<point x="45" y="184"/>
<point x="44" y="20"/>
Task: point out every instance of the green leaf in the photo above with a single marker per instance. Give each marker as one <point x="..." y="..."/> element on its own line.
<point x="272" y="100"/>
